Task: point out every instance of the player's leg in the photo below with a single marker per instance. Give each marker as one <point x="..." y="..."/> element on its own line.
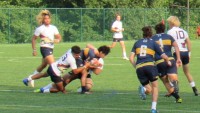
<point x="189" y="78"/>
<point x="154" y="85"/>
<point x="84" y="74"/>
<point x="89" y="84"/>
<point x="167" y="85"/>
<point x="123" y="50"/>
<point x="113" y="44"/>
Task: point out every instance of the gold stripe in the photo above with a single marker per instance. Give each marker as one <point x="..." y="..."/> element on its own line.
<point x="148" y="51"/>
<point x="144" y="64"/>
<point x="162" y="60"/>
<point x="165" y="42"/>
<point x="86" y="51"/>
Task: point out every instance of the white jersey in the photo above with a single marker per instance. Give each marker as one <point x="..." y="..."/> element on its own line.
<point x="180" y="36"/>
<point x="117" y="25"/>
<point x="46" y="33"/>
<point x="100" y="67"/>
<point x="63" y="63"/>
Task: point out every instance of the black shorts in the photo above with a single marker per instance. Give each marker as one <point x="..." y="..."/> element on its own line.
<point x="146" y="74"/>
<point x="46" y="51"/>
<point x="184" y="57"/>
<point x="117" y="39"/>
<point x="164" y="69"/>
<point x="54" y="78"/>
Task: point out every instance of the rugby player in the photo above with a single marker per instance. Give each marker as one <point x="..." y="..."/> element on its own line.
<point x="145" y="49"/>
<point x="117" y="30"/>
<point x="167" y="73"/>
<point x="88" y="54"/>
<point x="184" y="44"/>
<point x="49" y="35"/>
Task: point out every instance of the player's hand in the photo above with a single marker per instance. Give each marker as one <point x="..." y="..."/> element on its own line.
<point x="56" y="41"/>
<point x="178" y="63"/>
<point x="34" y="53"/>
<point x="169" y="63"/>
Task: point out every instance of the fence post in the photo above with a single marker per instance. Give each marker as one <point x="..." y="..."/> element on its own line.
<point x="103" y="24"/>
<point x="9" y="25"/>
<point x="81" y="25"/>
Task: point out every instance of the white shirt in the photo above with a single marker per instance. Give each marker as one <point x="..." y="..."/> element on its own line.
<point x="118" y="25"/>
<point x="46" y="32"/>
<point x="63" y="63"/>
<point x="180" y="36"/>
<point x="100" y="67"/>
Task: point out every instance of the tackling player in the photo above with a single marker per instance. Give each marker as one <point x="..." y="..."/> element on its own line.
<point x="167" y="73"/>
<point x="184" y="44"/>
<point x="49" y="35"/>
<point x="145" y="49"/>
<point x="90" y="54"/>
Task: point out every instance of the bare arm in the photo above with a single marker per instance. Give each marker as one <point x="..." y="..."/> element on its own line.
<point x="178" y="61"/>
<point x="34" y="38"/>
<point x="131" y="59"/>
<point x="80" y="69"/>
<point x="58" y="38"/>
<point x="97" y="71"/>
<point x="165" y="57"/>
<point x="188" y="44"/>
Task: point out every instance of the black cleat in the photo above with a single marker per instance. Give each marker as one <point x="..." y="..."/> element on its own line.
<point x="195" y="91"/>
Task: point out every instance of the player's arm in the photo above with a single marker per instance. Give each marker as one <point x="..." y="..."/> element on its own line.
<point x="34" y="38"/>
<point x="177" y="52"/>
<point x="131" y="59"/>
<point x="57" y="39"/>
<point x="97" y="71"/>
<point x="78" y="70"/>
<point x="187" y="41"/>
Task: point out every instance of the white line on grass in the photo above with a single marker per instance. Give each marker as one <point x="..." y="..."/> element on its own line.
<point x="93" y="108"/>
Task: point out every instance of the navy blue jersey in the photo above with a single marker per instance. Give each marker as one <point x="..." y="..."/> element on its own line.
<point x="87" y="54"/>
<point x="165" y="41"/>
<point x="145" y="50"/>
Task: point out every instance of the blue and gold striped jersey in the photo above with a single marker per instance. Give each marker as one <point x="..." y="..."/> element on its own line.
<point x="145" y="49"/>
<point x="165" y="41"/>
<point x="87" y="54"/>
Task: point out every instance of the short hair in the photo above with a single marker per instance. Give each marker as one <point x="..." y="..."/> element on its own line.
<point x="147" y="31"/>
<point x="76" y="49"/>
<point x="160" y="28"/>
<point x="40" y="16"/>
<point x="104" y="49"/>
<point x="173" y="20"/>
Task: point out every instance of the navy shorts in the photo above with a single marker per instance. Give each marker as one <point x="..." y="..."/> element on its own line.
<point x="146" y="74"/>
<point x="164" y="69"/>
<point x="184" y="57"/>
<point x="117" y="39"/>
<point x="46" y="51"/>
<point x="54" y="77"/>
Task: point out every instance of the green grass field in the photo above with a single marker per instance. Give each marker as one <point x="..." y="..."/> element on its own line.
<point x="114" y="91"/>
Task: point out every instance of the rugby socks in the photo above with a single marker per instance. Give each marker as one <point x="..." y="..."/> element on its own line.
<point x="192" y="84"/>
<point x="35" y="72"/>
<point x="175" y="95"/>
<point x="153" y="106"/>
<point x="175" y="85"/>
<point x="49" y="86"/>
<point x="46" y="91"/>
<point x="124" y="54"/>
<point x="83" y="89"/>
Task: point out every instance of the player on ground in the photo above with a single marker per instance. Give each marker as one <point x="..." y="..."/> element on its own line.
<point x="96" y="68"/>
<point x="49" y="35"/>
<point x="56" y="69"/>
<point x="167" y="73"/>
<point x="117" y="30"/>
<point x="145" y="49"/>
<point x="184" y="44"/>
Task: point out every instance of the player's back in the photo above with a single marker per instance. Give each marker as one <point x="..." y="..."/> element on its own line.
<point x="145" y="50"/>
<point x="165" y="41"/>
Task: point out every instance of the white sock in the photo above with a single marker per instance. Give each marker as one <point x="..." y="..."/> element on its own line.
<point x="192" y="84"/>
<point x="49" y="86"/>
<point x="124" y="54"/>
<point x="46" y="91"/>
<point x="35" y="72"/>
<point x="29" y="78"/>
<point x="153" y="105"/>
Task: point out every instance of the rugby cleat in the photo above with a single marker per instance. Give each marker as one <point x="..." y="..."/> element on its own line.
<point x="179" y="100"/>
<point x="142" y="93"/>
<point x="41" y="90"/>
<point x="25" y="81"/>
<point x="154" y="111"/>
<point x="31" y="83"/>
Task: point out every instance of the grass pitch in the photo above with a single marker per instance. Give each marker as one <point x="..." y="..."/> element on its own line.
<point x="114" y="91"/>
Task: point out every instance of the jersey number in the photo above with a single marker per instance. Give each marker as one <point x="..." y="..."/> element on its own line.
<point x="180" y="34"/>
<point x="143" y="50"/>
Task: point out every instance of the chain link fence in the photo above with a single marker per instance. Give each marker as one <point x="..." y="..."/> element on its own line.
<point x="75" y="25"/>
